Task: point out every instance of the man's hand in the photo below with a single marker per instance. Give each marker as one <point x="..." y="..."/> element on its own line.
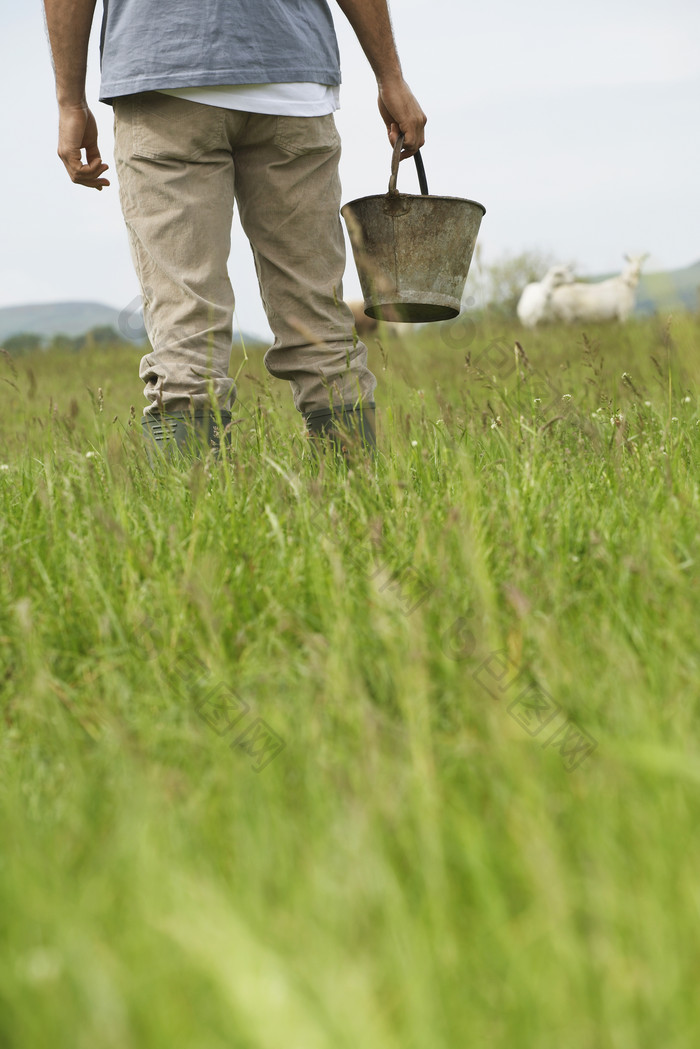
<point x="68" y="23"/>
<point x="77" y="131"/>
<point x="399" y="109"/>
<point x="401" y="113"/>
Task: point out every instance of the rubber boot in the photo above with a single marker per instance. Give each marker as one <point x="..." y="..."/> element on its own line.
<point x="343" y="429"/>
<point x="186" y="435"/>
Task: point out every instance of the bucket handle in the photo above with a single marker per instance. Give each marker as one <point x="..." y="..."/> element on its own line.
<point x="422" y="181"/>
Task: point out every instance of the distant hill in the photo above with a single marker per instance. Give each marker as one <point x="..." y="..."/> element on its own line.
<point x="57" y="318"/>
<point x="73" y="319"/>
<point x="669" y="290"/>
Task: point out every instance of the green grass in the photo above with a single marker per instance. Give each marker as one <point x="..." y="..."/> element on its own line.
<point x="276" y="765"/>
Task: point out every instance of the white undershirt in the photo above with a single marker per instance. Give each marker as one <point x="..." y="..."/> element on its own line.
<point x="281" y="100"/>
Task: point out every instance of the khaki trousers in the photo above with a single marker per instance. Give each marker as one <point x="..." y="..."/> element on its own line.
<point x="181" y="165"/>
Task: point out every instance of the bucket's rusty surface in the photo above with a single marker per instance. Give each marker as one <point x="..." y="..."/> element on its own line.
<point x="412" y="251"/>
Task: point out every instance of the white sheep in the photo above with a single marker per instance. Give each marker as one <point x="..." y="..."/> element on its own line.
<point x="606" y="300"/>
<point x="534" y="303"/>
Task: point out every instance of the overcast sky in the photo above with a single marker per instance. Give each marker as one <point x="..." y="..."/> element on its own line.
<point x="575" y="125"/>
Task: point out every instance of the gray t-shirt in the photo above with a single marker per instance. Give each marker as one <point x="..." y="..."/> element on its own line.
<point x="146" y="44"/>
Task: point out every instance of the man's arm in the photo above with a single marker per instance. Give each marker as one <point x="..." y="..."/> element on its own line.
<point x="399" y="108"/>
<point x="68" y="23"/>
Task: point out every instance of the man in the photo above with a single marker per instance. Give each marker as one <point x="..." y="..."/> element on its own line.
<point x="216" y="101"/>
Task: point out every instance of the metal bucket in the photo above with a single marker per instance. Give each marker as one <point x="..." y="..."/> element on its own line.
<point x="412" y="251"/>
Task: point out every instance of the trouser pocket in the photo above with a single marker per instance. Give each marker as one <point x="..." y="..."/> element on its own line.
<point x="306" y="135"/>
<point x="164" y="127"/>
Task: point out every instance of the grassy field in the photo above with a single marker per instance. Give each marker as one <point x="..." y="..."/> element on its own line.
<point x="401" y="757"/>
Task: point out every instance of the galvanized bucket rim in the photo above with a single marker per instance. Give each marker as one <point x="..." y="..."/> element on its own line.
<point x="413" y="196"/>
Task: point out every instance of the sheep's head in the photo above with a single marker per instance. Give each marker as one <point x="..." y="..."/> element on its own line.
<point x="634" y="265"/>
<point x="635" y="261"/>
<point x="558" y="275"/>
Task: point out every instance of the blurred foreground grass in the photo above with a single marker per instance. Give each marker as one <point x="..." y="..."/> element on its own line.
<point x="405" y="756"/>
